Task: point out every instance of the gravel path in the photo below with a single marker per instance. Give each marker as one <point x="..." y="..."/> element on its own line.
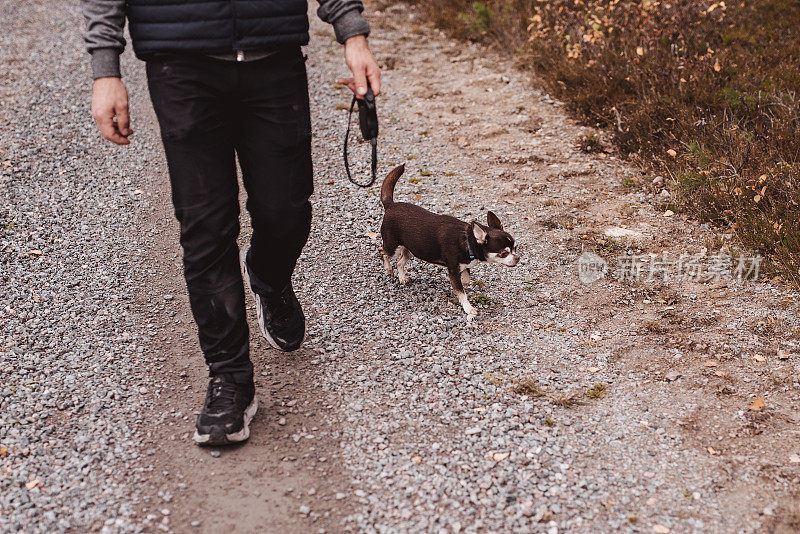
<point x="397" y="416"/>
<point x="71" y="352"/>
<point x="434" y="432"/>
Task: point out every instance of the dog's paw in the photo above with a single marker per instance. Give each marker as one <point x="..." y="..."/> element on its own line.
<point x="404" y="278"/>
<point x="471" y="312"/>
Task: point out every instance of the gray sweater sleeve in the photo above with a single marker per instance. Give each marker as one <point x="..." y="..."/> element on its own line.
<point x="105" y="22"/>
<point x="345" y="15"/>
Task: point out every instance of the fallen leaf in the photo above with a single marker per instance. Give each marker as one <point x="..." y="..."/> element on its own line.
<point x="372" y="235"/>
<point x="500" y="456"/>
<point x="672" y="153"/>
<point x="32" y="484"/>
<point x="3" y="451"/>
<point x="783" y="355"/>
<point x="593" y="369"/>
<point x="639" y="51"/>
<point x="794" y="459"/>
<point x="660" y="529"/>
<point x="758" y="404"/>
<point x="719" y="373"/>
<point x="711" y="363"/>
<point x="756" y="198"/>
<point x="669" y="213"/>
<point x="759" y="358"/>
<point x="717" y="66"/>
<point x="416" y="459"/>
<point x="711" y="450"/>
<point x="35" y="252"/>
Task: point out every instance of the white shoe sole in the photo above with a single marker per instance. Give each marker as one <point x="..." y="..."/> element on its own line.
<point x="235" y="437"/>
<point x="259" y="309"/>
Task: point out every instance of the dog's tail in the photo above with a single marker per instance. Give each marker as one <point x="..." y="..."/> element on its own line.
<point x="387" y="189"/>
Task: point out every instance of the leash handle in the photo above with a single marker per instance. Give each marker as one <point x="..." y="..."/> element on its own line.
<point x="368" y="122"/>
<point x="368" y="115"/>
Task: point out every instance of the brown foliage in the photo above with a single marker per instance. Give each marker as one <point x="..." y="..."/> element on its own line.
<point x="714" y="84"/>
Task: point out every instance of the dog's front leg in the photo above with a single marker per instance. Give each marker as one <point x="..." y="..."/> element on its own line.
<point x="455" y="281"/>
<point x="465" y="278"/>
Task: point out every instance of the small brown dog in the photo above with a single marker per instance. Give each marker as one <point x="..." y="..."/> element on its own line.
<point x="411" y="231"/>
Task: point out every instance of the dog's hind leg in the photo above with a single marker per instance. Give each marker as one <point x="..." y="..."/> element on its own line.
<point x="387" y="263"/>
<point x="403" y="255"/>
<point x="389" y="250"/>
<point x="455" y="281"/>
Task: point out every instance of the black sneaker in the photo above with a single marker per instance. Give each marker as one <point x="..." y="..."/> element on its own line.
<point x="280" y="316"/>
<point x="227" y="413"/>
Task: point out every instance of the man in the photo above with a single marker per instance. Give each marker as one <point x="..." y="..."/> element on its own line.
<point x="227" y="79"/>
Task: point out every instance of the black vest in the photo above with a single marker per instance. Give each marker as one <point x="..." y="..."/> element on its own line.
<point x="216" y="25"/>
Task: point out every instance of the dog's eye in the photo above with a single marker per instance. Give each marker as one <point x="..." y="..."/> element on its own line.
<point x="503" y="254"/>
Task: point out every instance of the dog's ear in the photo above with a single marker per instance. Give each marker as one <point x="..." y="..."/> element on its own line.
<point x="493" y="221"/>
<point x="479" y="233"/>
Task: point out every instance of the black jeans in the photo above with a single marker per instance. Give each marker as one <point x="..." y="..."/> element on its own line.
<point x="211" y="111"/>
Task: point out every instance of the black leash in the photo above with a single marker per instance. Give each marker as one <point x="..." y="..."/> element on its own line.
<point x="368" y="122"/>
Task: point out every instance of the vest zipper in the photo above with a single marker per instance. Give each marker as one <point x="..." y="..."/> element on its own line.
<point x="240" y="55"/>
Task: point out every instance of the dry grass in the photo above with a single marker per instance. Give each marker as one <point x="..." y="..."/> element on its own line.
<point x="568" y="399"/>
<point x="528" y="387"/>
<point x="655" y="327"/>
<point x="597" y="391"/>
<point x="590" y="143"/>
<point x="704" y="93"/>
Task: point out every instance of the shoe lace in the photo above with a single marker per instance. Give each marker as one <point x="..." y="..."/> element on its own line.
<point x="221" y="395"/>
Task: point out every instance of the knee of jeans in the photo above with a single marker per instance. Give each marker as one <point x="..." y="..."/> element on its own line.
<point x="211" y="226"/>
<point x="282" y="220"/>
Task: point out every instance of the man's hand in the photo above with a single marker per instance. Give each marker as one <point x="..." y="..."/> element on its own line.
<point x="109" y="102"/>
<point x="362" y="64"/>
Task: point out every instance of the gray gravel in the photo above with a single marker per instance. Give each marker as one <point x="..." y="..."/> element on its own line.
<point x="432" y="435"/>
<point x="71" y="358"/>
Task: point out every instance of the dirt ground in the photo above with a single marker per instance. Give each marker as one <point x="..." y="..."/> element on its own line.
<point x="683" y="362"/>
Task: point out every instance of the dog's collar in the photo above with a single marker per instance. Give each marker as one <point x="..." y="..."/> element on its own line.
<point x="472" y="255"/>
